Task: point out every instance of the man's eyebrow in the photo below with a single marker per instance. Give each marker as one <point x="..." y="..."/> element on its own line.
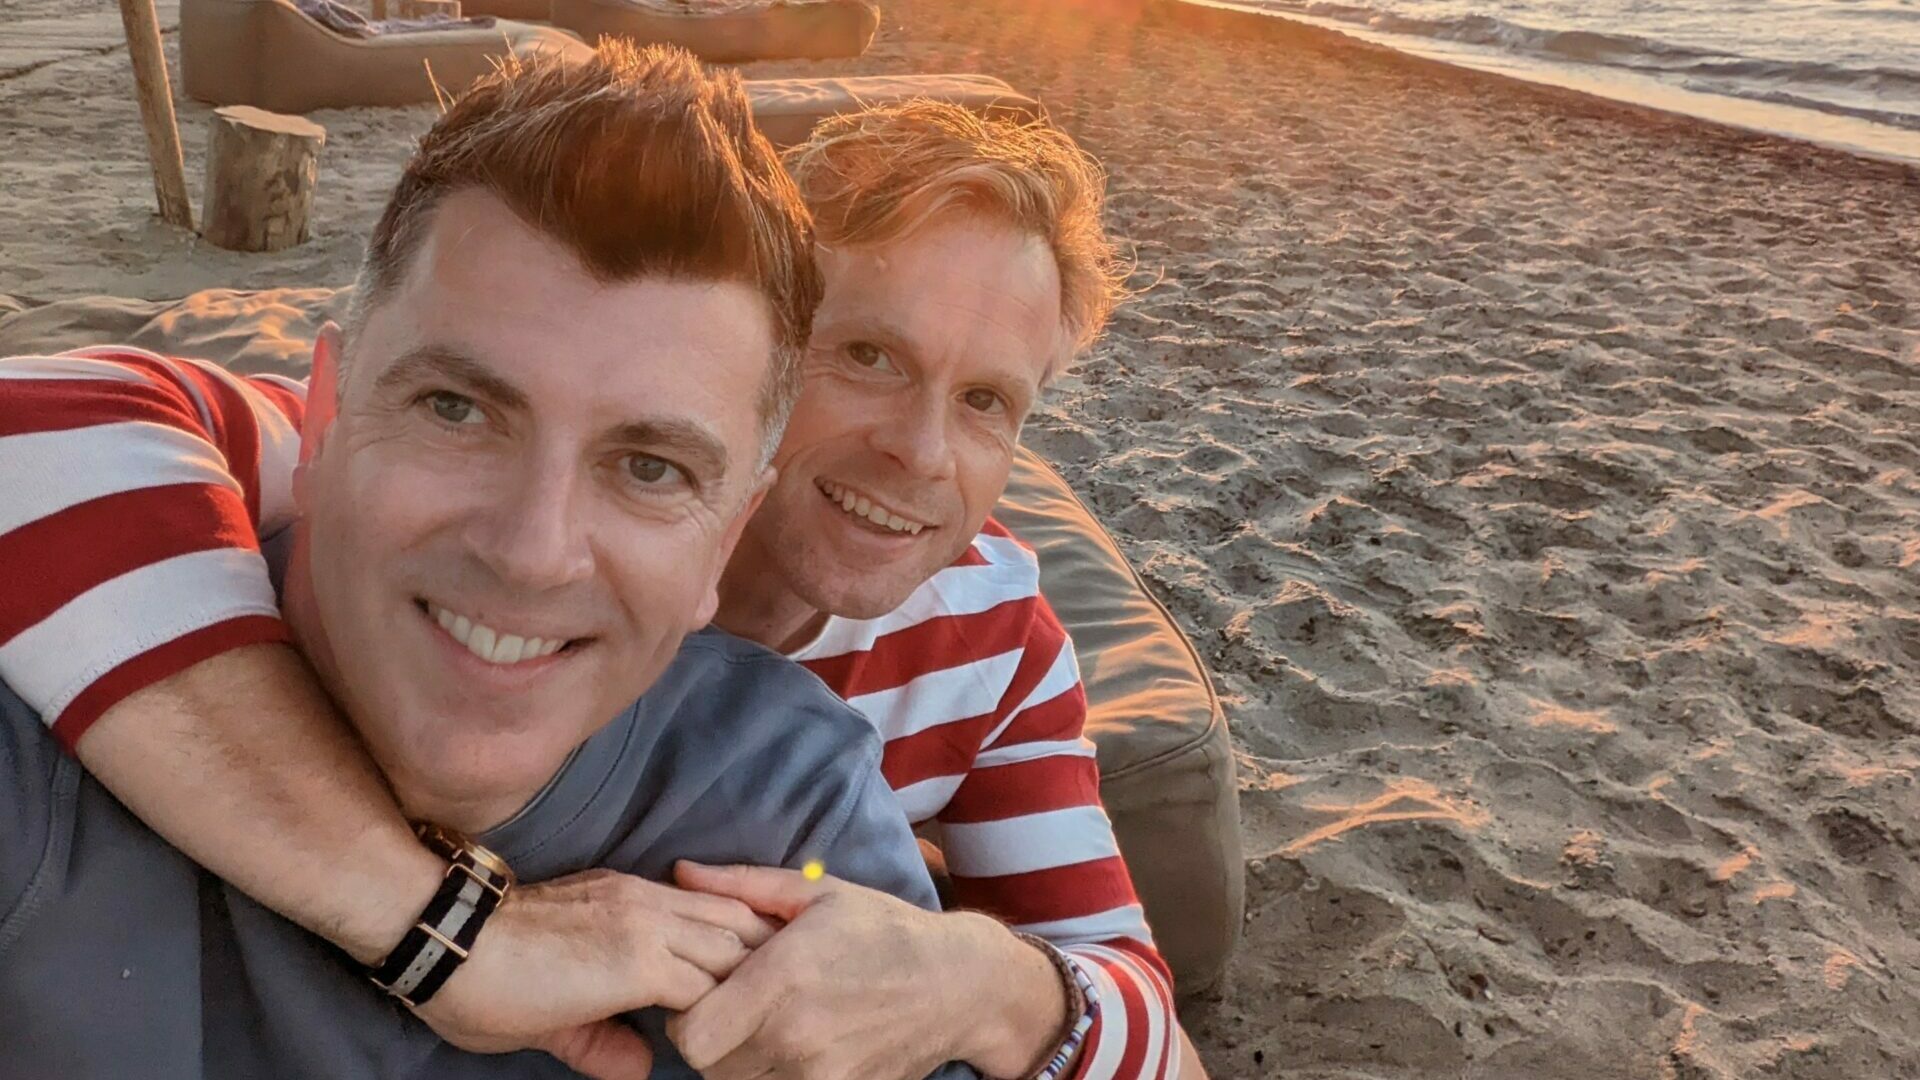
<point x="422" y="363"/>
<point x="692" y="444"/>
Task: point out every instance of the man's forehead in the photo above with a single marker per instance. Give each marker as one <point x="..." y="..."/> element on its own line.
<point x="539" y="331"/>
<point x="474" y="244"/>
<point x="988" y="300"/>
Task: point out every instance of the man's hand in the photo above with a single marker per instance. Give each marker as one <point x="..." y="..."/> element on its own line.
<point x="862" y="986"/>
<point x="560" y="958"/>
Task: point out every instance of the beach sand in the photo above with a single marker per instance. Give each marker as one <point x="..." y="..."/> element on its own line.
<point x="1541" y="478"/>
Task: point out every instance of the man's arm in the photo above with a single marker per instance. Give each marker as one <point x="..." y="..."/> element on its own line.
<point x="241" y="762"/>
<point x="1027" y="841"/>
<point x="140" y="622"/>
<point x="855" y="969"/>
<point x="857" y="982"/>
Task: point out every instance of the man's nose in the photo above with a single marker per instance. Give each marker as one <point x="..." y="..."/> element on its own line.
<point x="532" y="533"/>
<point x="917" y="438"/>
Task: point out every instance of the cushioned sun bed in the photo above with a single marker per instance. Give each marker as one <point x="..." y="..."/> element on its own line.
<point x="1166" y="765"/>
<point x="524" y="10"/>
<point x="268" y="54"/>
<point x="729" y="31"/>
<point x="787" y="109"/>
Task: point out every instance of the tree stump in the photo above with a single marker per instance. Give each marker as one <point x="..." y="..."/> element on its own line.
<point x="260" y="175"/>
<point x="420" y="9"/>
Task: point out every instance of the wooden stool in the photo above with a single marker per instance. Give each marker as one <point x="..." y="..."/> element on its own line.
<point x="260" y="175"/>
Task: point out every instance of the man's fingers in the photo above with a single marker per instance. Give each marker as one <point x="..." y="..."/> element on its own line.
<point x="746" y="1063"/>
<point x="716" y="1025"/>
<point x="709" y="948"/>
<point x="725" y="912"/>
<point x="783" y="894"/>
<point x="681" y="984"/>
<point x="608" y="1050"/>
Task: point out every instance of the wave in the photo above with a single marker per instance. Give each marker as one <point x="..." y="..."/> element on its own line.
<point x="1879" y="94"/>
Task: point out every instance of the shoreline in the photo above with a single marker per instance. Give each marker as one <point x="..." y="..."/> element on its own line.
<point x="1868" y="141"/>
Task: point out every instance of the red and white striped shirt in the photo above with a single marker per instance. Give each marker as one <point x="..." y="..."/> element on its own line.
<point x="972" y="683"/>
<point x="135" y="488"/>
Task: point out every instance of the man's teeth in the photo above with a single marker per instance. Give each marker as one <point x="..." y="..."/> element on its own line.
<point x="861" y="506"/>
<point x="489" y="644"/>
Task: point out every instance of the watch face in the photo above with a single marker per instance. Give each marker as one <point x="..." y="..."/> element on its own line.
<point x="491" y="863"/>
<point x="457" y="849"/>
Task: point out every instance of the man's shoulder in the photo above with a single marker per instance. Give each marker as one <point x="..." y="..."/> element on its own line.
<point x="732" y="752"/>
<point x="753" y="696"/>
<point x="734" y="755"/>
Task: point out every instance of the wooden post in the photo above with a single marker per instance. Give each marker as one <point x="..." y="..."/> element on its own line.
<point x="420" y="9"/>
<point x="155" y="91"/>
<point x="260" y="173"/>
<point x="379" y="10"/>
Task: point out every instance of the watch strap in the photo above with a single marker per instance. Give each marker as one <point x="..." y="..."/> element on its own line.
<point x="476" y="883"/>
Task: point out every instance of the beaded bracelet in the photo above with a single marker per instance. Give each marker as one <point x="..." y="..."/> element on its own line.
<point x="1081" y="1001"/>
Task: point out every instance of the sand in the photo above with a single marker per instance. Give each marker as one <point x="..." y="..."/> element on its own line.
<point x="1541" y="478"/>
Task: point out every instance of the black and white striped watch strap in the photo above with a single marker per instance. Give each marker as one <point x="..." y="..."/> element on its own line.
<point x="476" y="883"/>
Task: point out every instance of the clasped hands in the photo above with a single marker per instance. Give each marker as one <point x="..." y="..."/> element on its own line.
<point x="770" y="975"/>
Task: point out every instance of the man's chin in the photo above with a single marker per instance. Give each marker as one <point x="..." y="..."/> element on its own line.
<point x="481" y="765"/>
<point x="861" y="596"/>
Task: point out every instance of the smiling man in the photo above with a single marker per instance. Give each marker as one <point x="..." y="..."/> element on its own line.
<point x="964" y="265"/>
<point x="523" y="467"/>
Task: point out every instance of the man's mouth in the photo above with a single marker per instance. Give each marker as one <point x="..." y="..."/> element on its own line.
<point x="864" y="508"/>
<point x="495" y="645"/>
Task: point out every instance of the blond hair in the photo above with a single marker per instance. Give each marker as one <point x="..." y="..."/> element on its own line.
<point x="641" y="162"/>
<point x="879" y="174"/>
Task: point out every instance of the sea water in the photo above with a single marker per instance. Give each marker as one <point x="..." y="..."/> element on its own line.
<point x="1842" y="72"/>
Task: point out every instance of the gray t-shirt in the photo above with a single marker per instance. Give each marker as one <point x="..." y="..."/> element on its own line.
<point x="120" y="958"/>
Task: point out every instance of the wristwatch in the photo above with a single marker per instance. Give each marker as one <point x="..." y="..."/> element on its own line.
<point x="476" y="884"/>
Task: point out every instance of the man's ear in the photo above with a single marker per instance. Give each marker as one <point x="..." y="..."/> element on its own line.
<point x="323" y="400"/>
<point x="710" y="604"/>
<point x="323" y="391"/>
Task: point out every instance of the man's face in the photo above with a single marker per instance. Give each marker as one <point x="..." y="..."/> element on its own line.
<point x="927" y="353"/>
<point x="525" y="501"/>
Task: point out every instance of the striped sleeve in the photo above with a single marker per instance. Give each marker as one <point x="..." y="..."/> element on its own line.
<point x="133" y="497"/>
<point x="1027" y="841"/>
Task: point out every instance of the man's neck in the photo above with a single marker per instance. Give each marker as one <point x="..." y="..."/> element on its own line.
<point x="465" y="814"/>
<point x="757" y="604"/>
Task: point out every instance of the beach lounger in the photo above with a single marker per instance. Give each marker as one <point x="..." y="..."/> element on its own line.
<point x="1166" y="765"/>
<point x="786" y="110"/>
<point x="523" y="10"/>
<point x="729" y="30"/>
<point x="269" y="54"/>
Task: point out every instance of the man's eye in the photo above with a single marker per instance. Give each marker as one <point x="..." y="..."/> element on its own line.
<point x="454" y="408"/>
<point x="985" y="401"/>
<point x="870" y="356"/>
<point x="654" y="472"/>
